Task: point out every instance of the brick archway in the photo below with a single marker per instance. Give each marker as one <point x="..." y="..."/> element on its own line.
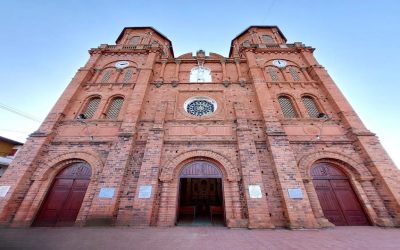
<point x="355" y="171"/>
<point x="173" y="167"/>
<point x="351" y="167"/>
<point x="170" y="176"/>
<point x="339" y="202"/>
<point x="65" y="196"/>
<point x="52" y="166"/>
<point x="44" y="177"/>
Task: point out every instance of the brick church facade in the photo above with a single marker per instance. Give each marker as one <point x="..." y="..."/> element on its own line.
<point x="260" y="139"/>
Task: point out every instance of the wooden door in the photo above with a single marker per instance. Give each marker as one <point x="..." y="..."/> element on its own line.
<point x="64" y="199"/>
<point x="336" y="196"/>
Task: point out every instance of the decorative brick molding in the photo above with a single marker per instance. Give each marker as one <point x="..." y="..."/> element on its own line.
<point x="51" y="167"/>
<point x="173" y="166"/>
<point x="350" y="166"/>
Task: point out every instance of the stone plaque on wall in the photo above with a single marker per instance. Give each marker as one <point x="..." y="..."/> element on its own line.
<point x="107" y="193"/>
<point x="145" y="192"/>
<point x="295" y="193"/>
<point x="255" y="191"/>
<point x="4" y="190"/>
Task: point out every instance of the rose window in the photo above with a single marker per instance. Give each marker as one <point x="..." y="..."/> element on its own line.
<point x="200" y="106"/>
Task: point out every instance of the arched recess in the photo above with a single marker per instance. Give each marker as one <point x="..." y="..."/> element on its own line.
<point x="65" y="196"/>
<point x="353" y="169"/>
<point x="43" y="178"/>
<point x="358" y="176"/>
<point x="172" y="167"/>
<point x="170" y="176"/>
<point x="200" y="193"/>
<point x="339" y="203"/>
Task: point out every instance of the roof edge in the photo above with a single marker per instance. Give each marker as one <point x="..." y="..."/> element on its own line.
<point x="10" y="141"/>
<point x="256" y="26"/>
<point x="145" y="27"/>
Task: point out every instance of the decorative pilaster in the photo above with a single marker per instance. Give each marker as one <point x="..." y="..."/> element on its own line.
<point x="377" y="204"/>
<point x="297" y="210"/>
<point x="148" y="179"/>
<point x="259" y="216"/>
<point x="103" y="210"/>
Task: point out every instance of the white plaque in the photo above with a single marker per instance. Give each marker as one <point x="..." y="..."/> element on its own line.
<point x="4" y="190"/>
<point x="107" y="193"/>
<point x="145" y="191"/>
<point x="295" y="193"/>
<point x="255" y="191"/>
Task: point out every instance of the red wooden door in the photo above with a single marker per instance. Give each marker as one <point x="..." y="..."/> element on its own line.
<point x="336" y="196"/>
<point x="65" y="197"/>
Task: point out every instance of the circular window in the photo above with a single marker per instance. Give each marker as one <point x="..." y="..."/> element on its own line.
<point x="200" y="106"/>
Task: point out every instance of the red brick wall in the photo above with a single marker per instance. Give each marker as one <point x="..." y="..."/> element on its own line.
<point x="247" y="137"/>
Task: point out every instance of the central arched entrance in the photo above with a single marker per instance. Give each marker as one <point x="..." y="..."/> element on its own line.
<point x="200" y="195"/>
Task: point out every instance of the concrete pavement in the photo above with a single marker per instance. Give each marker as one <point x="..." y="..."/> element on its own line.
<point x="192" y="238"/>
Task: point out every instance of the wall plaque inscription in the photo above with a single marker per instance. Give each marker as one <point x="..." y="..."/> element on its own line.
<point x="107" y="193"/>
<point x="4" y="190"/>
<point x="295" y="193"/>
<point x="255" y="191"/>
<point x="145" y="192"/>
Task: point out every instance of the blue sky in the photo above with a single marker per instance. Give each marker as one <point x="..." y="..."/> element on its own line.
<point x="44" y="43"/>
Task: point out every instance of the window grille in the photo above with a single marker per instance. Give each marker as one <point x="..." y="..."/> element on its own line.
<point x="106" y="76"/>
<point x="267" y="39"/>
<point x="91" y="107"/>
<point x="127" y="75"/>
<point x="294" y="73"/>
<point x="311" y="106"/>
<point x="114" y="108"/>
<point x="287" y="107"/>
<point x="135" y="40"/>
<point x="273" y="73"/>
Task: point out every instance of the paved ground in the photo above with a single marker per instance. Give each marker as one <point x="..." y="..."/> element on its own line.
<point x="116" y="238"/>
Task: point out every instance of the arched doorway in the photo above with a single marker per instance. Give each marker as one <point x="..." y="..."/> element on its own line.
<point x="200" y="195"/>
<point x="64" y="199"/>
<point x="336" y="196"/>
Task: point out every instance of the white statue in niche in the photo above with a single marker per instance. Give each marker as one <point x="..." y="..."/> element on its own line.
<point x="200" y="74"/>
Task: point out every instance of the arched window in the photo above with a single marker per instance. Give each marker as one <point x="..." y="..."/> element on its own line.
<point x="273" y="73"/>
<point x="311" y="106"/>
<point x="287" y="107"/>
<point x="128" y="75"/>
<point x="295" y="75"/>
<point x="91" y="107"/>
<point x="200" y="74"/>
<point x="115" y="107"/>
<point x="106" y="76"/>
<point x="267" y="39"/>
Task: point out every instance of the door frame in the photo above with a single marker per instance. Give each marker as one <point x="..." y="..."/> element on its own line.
<point x="346" y="177"/>
<point x="221" y="177"/>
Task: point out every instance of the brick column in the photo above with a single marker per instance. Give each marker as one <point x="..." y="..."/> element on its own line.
<point x="297" y="211"/>
<point x="149" y="171"/>
<point x="383" y="217"/>
<point x="19" y="173"/>
<point x="259" y="216"/>
<point x="104" y="210"/>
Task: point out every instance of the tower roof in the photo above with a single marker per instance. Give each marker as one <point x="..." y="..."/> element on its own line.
<point x="142" y="28"/>
<point x="256" y="26"/>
